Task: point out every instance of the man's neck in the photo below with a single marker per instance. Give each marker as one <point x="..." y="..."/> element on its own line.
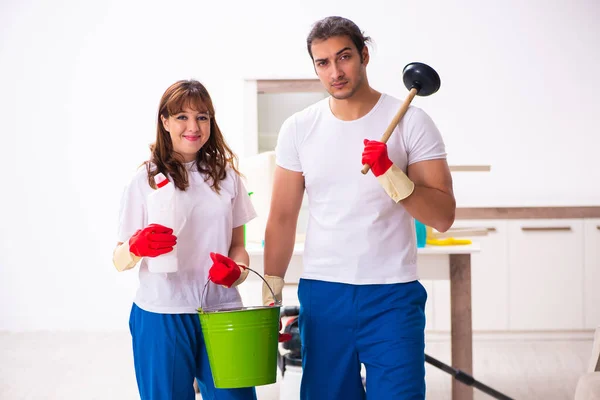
<point x="355" y="107"/>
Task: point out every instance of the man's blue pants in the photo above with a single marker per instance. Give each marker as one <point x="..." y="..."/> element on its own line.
<point x="380" y="326"/>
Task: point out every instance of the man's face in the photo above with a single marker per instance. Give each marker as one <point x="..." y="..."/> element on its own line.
<point x="338" y="66"/>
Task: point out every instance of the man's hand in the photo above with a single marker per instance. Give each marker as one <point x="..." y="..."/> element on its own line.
<point x="276" y="283"/>
<point x="376" y="156"/>
<point x="152" y="241"/>
<point x="393" y="180"/>
<point x="225" y="271"/>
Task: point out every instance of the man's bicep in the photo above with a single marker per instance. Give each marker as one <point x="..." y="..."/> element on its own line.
<point x="433" y="174"/>
<point x="288" y="191"/>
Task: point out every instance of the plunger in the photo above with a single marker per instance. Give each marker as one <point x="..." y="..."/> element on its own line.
<point x="421" y="80"/>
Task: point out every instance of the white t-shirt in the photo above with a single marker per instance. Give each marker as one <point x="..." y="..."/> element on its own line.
<point x="210" y="219"/>
<point x="356" y="233"/>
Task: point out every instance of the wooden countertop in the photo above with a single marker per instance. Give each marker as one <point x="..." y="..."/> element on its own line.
<point x="256" y="249"/>
<point x="527" y="212"/>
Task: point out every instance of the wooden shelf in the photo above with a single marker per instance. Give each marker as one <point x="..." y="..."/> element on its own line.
<point x="528" y="212"/>
<point x="288" y="85"/>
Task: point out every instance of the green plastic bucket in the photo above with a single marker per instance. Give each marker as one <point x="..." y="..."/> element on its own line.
<point x="242" y="344"/>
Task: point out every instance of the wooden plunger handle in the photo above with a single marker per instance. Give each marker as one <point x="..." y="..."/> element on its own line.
<point x="394" y="123"/>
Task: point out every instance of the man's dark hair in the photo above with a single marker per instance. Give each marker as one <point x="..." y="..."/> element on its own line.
<point x="337" y="26"/>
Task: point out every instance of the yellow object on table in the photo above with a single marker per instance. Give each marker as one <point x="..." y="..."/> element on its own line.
<point x="448" y="242"/>
<point x="434" y="239"/>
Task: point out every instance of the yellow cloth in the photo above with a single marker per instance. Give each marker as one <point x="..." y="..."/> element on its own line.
<point x="448" y="242"/>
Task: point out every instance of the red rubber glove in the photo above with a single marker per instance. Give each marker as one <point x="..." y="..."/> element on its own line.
<point x="224" y="270"/>
<point x="283" y="337"/>
<point x="375" y="154"/>
<point x="152" y="241"/>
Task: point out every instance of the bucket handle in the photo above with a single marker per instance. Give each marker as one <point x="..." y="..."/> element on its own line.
<point x="277" y="302"/>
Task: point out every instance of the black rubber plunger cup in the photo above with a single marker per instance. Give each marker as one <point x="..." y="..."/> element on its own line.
<point x="420" y="79"/>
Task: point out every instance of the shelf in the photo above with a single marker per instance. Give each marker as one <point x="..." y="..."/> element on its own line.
<point x="256" y="249"/>
<point x="288" y="85"/>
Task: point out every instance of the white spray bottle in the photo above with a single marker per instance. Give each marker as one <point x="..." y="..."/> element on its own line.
<point x="162" y="209"/>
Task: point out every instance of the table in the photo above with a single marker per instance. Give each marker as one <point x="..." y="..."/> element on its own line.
<point x="454" y="263"/>
<point x="433" y="262"/>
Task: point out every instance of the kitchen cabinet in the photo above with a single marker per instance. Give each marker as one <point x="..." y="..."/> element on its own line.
<point x="545" y="260"/>
<point x="591" y="274"/>
<point x="489" y="280"/>
<point x="532" y="275"/>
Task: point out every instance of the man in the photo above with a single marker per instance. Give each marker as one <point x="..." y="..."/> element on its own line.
<point x="360" y="298"/>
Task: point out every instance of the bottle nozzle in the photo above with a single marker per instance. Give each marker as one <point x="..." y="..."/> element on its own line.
<point x="160" y="180"/>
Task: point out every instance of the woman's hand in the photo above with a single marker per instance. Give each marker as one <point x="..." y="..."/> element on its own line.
<point x="154" y="240"/>
<point x="225" y="271"/>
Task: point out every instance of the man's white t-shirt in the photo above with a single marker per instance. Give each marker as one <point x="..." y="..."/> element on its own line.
<point x="209" y="221"/>
<point x="356" y="233"/>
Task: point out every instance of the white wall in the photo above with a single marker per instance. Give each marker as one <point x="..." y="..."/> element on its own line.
<point x="80" y="83"/>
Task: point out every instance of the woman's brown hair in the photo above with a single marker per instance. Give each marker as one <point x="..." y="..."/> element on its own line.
<point x="212" y="159"/>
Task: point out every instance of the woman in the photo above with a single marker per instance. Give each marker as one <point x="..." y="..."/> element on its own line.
<point x="168" y="346"/>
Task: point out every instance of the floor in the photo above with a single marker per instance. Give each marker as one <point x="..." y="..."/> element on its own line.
<point x="69" y="366"/>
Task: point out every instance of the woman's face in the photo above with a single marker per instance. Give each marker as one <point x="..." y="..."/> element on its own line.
<point x="189" y="131"/>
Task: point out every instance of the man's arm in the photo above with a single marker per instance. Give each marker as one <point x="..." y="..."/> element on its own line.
<point x="280" y="235"/>
<point x="432" y="201"/>
<point x="425" y="190"/>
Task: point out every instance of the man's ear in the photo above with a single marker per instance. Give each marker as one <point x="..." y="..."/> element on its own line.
<point x="365" y="55"/>
<point x="165" y="122"/>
